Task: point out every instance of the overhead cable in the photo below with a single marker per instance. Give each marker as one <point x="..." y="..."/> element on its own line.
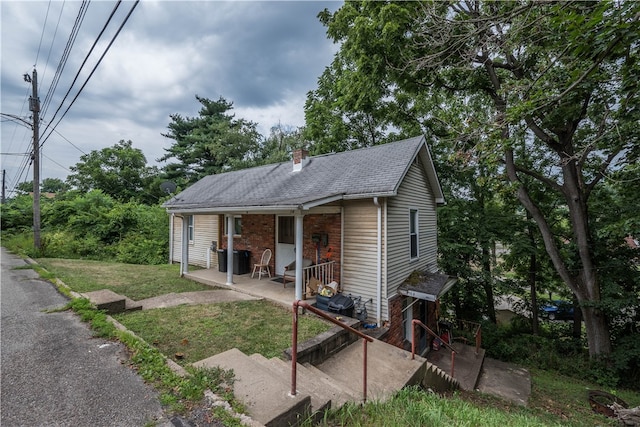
<point x="93" y="70"/>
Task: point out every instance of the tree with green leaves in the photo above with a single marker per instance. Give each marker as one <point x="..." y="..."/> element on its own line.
<point x="120" y="171"/>
<point x="545" y="91"/>
<point x="48" y="185"/>
<point x="213" y="142"/>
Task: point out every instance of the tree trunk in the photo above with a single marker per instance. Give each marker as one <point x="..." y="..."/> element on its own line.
<point x="577" y="318"/>
<point x="533" y="265"/>
<point x="597" y="332"/>
<point x="531" y="278"/>
<point x="583" y="285"/>
<point x="487" y="283"/>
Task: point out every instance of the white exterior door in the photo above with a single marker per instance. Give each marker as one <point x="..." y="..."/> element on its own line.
<point x="407" y="318"/>
<point x="285" y="242"/>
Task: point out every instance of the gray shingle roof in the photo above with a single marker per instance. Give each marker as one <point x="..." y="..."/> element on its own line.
<point x="367" y="172"/>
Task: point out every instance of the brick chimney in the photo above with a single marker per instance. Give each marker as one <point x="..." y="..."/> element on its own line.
<point x="300" y="158"/>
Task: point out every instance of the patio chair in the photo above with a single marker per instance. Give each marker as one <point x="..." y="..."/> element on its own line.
<point x="263" y="265"/>
<point x="290" y="271"/>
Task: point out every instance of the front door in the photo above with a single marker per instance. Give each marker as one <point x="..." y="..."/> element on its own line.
<point x="285" y="242"/>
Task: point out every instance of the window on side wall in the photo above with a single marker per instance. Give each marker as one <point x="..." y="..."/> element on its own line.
<point x="413" y="233"/>
<point x="237" y="226"/>
<point x="191" y="227"/>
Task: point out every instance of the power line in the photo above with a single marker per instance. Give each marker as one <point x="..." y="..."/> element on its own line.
<point x="94" y="69"/>
<point x="65" y="56"/>
<point x="46" y="64"/>
<point x="42" y="35"/>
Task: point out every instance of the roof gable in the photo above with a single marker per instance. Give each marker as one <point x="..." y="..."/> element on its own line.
<point x="364" y="173"/>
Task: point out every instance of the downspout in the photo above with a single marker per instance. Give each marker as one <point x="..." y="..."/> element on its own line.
<point x="230" y="231"/>
<point x="341" y="244"/>
<point x="184" y="259"/>
<point x="379" y="264"/>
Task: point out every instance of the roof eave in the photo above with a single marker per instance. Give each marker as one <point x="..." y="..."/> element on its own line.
<point x="234" y="209"/>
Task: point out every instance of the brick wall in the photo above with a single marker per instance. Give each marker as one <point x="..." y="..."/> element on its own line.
<point x="395" y="335"/>
<point x="258" y="234"/>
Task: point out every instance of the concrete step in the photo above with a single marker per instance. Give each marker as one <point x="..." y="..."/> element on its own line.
<point x="389" y="369"/>
<point x="313" y="382"/>
<point x="264" y="393"/>
<point x="111" y="302"/>
<point x="343" y="394"/>
<point x="320" y="400"/>
<point x="438" y="380"/>
<point x="468" y="364"/>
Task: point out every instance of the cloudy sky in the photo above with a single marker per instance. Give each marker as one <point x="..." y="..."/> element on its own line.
<point x="262" y="56"/>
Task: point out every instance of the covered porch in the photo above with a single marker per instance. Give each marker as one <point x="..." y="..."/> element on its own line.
<point x="315" y="232"/>
<point x="261" y="288"/>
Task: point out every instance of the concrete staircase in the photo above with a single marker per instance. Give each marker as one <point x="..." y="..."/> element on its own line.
<point x="468" y="364"/>
<point x="264" y="385"/>
<point x="111" y="302"/>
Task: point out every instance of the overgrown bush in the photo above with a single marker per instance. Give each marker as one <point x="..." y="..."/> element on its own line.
<point x="91" y="226"/>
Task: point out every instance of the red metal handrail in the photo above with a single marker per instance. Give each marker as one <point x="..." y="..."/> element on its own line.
<point x="415" y="322"/>
<point x="294" y="346"/>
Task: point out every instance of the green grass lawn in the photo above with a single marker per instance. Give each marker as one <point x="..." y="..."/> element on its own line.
<point x="200" y="331"/>
<point x="132" y="280"/>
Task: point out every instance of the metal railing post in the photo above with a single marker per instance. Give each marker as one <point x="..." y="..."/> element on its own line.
<point x="415" y="322"/>
<point x="364" y="372"/>
<point x="294" y="348"/>
<point x="294" y="343"/>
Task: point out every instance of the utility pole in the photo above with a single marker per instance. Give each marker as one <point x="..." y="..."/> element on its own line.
<point x="4" y="177"/>
<point x="34" y="106"/>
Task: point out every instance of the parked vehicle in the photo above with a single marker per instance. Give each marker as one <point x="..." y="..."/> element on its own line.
<point x="558" y="310"/>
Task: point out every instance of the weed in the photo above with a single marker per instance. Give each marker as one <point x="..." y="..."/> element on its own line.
<point x="97" y="318"/>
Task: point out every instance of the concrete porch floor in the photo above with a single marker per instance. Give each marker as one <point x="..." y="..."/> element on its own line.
<point x="265" y="288"/>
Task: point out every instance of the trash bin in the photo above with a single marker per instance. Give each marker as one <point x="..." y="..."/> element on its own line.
<point x="322" y="302"/>
<point x="222" y="260"/>
<point x="341" y="304"/>
<point x="241" y="262"/>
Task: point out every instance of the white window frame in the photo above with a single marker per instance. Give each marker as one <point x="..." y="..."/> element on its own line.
<point x="191" y="228"/>
<point x="237" y="224"/>
<point x="414" y="233"/>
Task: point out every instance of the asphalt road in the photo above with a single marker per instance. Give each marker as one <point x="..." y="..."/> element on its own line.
<point x="53" y="372"/>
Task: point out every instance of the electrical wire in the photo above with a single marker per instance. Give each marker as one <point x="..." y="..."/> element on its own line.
<point x="46" y="64"/>
<point x="65" y="56"/>
<point x="85" y="61"/>
<point x="42" y="35"/>
<point x="113" y="39"/>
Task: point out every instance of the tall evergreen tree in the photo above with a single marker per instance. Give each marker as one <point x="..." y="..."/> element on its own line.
<point x="213" y="142"/>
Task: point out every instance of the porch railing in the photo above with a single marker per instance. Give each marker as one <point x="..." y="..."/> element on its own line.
<point x="322" y="272"/>
<point x="294" y="344"/>
<point x="416" y="322"/>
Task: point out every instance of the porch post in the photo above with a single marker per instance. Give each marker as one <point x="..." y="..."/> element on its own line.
<point x="230" y="231"/>
<point x="171" y="219"/>
<point x="299" y="255"/>
<point x="184" y="260"/>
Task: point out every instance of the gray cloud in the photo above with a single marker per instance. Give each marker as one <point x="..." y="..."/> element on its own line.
<point x="262" y="56"/>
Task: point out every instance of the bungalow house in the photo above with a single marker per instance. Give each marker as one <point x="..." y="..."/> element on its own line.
<point x="367" y="216"/>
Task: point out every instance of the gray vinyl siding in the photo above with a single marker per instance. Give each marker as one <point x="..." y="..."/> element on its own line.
<point x="360" y="254"/>
<point x="205" y="231"/>
<point x="414" y="193"/>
